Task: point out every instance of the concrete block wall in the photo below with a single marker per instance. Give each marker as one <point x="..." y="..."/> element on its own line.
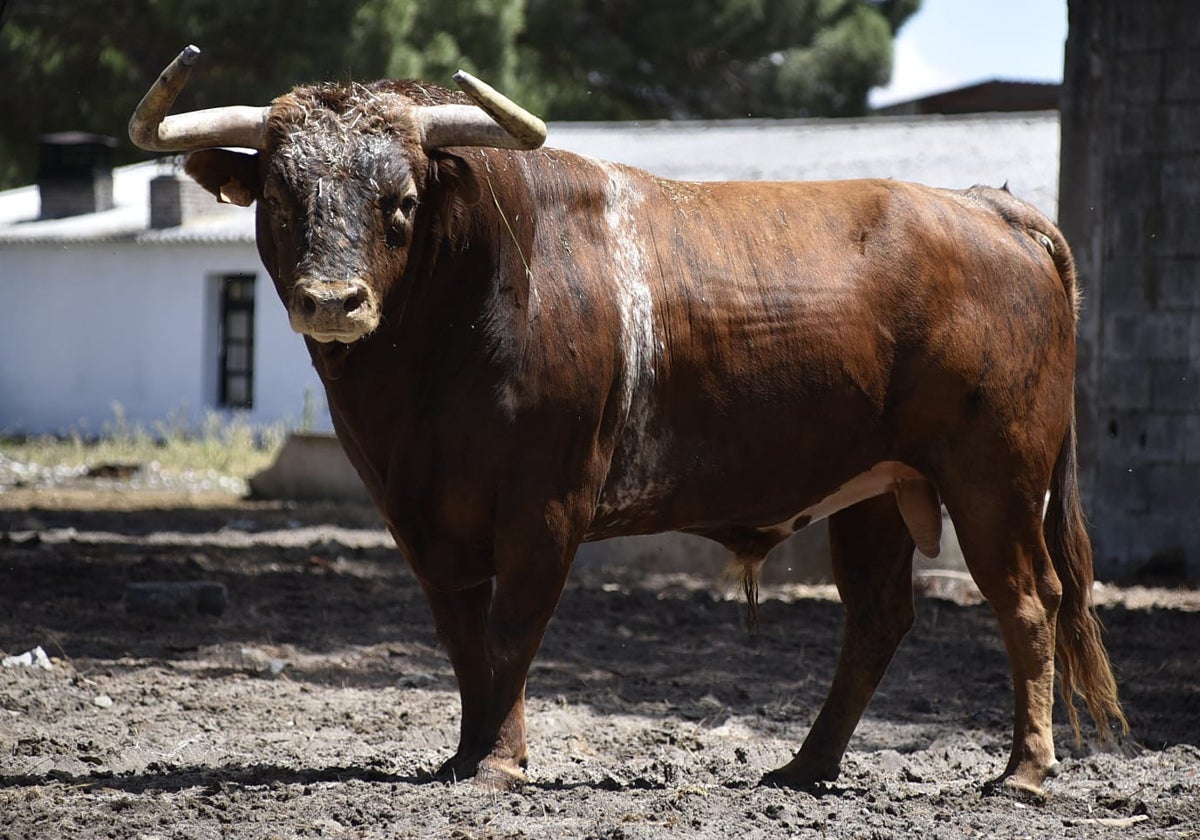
<point x="1129" y="203"/>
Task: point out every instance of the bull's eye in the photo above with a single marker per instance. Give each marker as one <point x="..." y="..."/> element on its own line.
<point x="276" y="210"/>
<point x="397" y="230"/>
<point x="400" y="221"/>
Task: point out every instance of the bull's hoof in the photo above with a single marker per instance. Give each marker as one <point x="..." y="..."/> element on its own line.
<point x="1021" y="787"/>
<point x="1018" y="789"/>
<point x="495" y="775"/>
<point x="456" y="769"/>
<point x="797" y="778"/>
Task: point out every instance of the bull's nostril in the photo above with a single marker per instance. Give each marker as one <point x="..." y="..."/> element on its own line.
<point x="308" y="305"/>
<point x="353" y="301"/>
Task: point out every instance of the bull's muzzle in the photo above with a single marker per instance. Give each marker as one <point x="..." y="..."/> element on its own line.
<point x="341" y="310"/>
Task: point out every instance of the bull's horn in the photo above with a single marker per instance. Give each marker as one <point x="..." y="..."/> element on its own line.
<point x="502" y="123"/>
<point x="151" y="129"/>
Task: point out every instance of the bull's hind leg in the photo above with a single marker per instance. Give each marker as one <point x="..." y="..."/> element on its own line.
<point x="1002" y="543"/>
<point x="872" y="567"/>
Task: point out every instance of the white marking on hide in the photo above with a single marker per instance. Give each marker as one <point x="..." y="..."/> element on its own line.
<point x="628" y="272"/>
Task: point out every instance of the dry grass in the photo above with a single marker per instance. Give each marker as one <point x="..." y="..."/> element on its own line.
<point x="228" y="447"/>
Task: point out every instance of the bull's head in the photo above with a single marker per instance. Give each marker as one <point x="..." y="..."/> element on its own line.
<point x="339" y="174"/>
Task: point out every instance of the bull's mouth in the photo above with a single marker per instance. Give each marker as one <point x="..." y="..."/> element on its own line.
<point x="334" y="337"/>
<point x="346" y="332"/>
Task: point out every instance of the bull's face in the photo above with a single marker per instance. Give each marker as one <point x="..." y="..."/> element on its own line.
<point x="341" y="186"/>
<point x="340" y="178"/>
<point x="338" y="208"/>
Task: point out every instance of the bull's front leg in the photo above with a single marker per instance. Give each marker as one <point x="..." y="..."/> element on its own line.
<point x="491" y="632"/>
<point x="461" y="619"/>
<point x="529" y="582"/>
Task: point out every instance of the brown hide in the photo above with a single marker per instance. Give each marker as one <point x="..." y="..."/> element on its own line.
<point x="568" y="349"/>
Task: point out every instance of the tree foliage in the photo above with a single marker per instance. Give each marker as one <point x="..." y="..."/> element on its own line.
<point x="631" y="59"/>
<point x="83" y="64"/>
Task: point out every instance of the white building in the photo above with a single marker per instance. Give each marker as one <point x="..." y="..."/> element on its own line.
<point x="161" y="306"/>
<point x="125" y="308"/>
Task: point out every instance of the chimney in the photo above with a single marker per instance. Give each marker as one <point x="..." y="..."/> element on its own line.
<point x="75" y="173"/>
<point x="176" y="199"/>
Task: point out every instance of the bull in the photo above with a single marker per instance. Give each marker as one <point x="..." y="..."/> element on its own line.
<point x="524" y="349"/>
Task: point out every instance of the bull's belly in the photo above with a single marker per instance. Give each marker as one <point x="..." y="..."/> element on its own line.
<point x="654" y="505"/>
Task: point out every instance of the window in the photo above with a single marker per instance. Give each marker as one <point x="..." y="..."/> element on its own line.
<point x="235" y="339"/>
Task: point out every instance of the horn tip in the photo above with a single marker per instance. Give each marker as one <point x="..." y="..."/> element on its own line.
<point x="189" y="55"/>
<point x="522" y="126"/>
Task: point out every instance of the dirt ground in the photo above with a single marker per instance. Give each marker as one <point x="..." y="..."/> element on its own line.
<point x="315" y="703"/>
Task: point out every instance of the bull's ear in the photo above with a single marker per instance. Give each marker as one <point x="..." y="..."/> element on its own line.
<point x="233" y="177"/>
<point x="453" y="173"/>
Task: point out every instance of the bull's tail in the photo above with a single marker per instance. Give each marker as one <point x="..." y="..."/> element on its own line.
<point x="1084" y="669"/>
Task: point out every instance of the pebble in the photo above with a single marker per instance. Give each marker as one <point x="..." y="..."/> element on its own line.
<point x="35" y="658"/>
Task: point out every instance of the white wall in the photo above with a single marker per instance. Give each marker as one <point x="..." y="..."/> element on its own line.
<point x="84" y="325"/>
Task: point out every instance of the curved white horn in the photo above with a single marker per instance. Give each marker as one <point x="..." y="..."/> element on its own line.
<point x="151" y="129"/>
<point x="498" y="122"/>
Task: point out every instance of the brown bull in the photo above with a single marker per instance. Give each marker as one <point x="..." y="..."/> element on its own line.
<point x="524" y="350"/>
